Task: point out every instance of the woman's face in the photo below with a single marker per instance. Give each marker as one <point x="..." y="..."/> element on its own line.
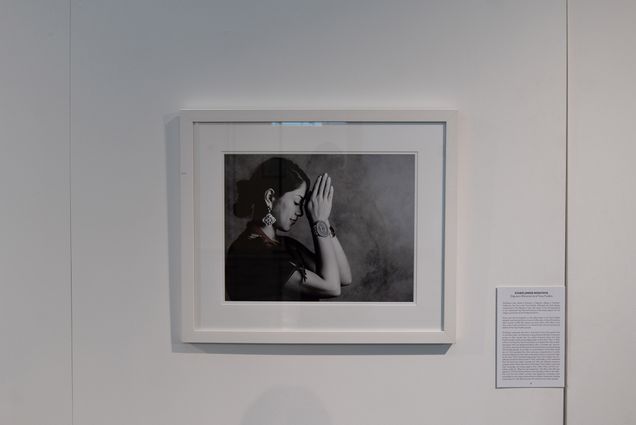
<point x="289" y="207"/>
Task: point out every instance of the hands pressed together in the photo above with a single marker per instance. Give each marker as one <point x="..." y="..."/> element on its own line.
<point x="332" y="267"/>
<point x="320" y="201"/>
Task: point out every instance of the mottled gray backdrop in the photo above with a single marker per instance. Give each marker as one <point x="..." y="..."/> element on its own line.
<point x="373" y="213"/>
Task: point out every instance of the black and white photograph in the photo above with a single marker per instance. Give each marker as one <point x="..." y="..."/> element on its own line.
<point x="317" y="226"/>
<point x="322" y="227"/>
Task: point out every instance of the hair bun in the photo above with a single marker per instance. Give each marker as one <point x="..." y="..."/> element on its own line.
<point x="245" y="202"/>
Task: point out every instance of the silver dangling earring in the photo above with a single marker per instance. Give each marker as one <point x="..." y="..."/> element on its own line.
<point x="269" y="219"/>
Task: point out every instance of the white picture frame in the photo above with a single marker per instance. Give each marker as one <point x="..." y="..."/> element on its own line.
<point x="209" y="136"/>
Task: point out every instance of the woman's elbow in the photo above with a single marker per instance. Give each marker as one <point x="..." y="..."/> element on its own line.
<point x="331" y="293"/>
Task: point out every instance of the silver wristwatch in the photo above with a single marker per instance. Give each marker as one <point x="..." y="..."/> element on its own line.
<point x="321" y="229"/>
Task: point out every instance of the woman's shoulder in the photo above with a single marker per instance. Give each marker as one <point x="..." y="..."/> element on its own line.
<point x="248" y="242"/>
<point x="296" y="248"/>
<point x="290" y="242"/>
<point x="252" y="239"/>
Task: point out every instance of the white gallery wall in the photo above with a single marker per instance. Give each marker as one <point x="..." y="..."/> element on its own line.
<point x="89" y="278"/>
<point x="602" y="204"/>
<point x="134" y="64"/>
<point x="35" y="257"/>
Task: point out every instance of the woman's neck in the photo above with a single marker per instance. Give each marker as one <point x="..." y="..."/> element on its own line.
<point x="269" y="232"/>
<point x="265" y="231"/>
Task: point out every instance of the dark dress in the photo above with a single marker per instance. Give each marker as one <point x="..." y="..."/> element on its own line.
<point x="257" y="268"/>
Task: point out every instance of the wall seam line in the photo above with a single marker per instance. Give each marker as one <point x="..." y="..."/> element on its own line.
<point x="70" y="206"/>
<point x="567" y="155"/>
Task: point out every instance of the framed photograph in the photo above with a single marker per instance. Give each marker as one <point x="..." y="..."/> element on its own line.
<point x="333" y="226"/>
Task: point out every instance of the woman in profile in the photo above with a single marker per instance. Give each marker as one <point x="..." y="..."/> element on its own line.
<point x="264" y="265"/>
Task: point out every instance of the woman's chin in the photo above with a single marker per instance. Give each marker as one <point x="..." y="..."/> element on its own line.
<point x="283" y="228"/>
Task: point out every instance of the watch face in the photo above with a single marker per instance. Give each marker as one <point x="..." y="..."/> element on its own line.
<point x="321" y="229"/>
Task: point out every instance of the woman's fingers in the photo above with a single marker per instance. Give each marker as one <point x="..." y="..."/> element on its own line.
<point x="321" y="189"/>
<point x="319" y="205"/>
<point x="324" y="186"/>
<point x="315" y="190"/>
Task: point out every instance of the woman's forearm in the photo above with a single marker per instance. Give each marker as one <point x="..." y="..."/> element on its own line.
<point x="328" y="266"/>
<point x="343" y="264"/>
<point x="318" y="210"/>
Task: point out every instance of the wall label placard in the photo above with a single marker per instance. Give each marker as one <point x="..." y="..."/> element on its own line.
<point x="530" y="337"/>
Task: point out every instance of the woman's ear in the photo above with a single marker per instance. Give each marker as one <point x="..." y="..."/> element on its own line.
<point x="269" y="197"/>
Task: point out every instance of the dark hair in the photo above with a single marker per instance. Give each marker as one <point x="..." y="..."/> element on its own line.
<point x="276" y="173"/>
